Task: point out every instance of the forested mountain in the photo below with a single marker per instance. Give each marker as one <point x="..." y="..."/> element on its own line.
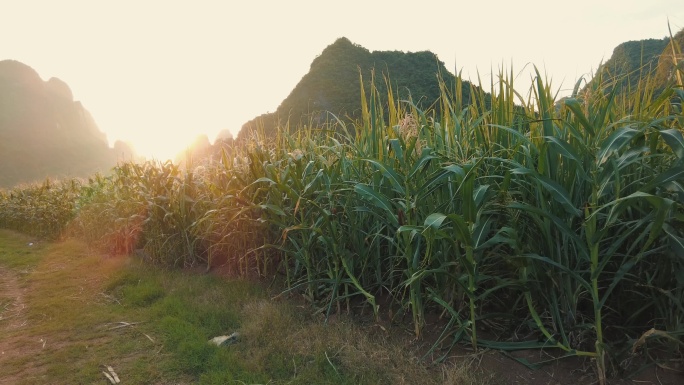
<point x="635" y="60"/>
<point x="671" y="57"/>
<point x="332" y="84"/>
<point x="44" y="132"/>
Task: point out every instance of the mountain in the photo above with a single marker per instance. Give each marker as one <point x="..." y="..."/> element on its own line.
<point x="45" y="133"/>
<point x="635" y="60"/>
<point x="332" y="85"/>
<point x="671" y="58"/>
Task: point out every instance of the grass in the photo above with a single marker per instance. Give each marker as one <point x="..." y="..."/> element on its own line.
<point x="152" y="325"/>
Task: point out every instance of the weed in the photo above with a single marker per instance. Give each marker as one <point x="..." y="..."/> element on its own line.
<point x="152" y="325"/>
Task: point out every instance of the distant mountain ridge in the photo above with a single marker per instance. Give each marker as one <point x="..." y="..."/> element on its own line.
<point x="632" y="61"/>
<point x="45" y="133"/>
<point x="332" y="84"/>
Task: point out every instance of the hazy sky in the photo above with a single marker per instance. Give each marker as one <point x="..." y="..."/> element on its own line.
<point x="158" y="73"/>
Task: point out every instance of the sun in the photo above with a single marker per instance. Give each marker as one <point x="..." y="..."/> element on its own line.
<point x="152" y="147"/>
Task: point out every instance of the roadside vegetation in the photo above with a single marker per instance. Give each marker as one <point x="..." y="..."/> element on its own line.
<point x="555" y="224"/>
<point x="152" y="326"/>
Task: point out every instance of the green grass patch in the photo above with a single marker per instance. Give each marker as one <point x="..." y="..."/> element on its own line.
<point x="83" y="311"/>
<point x="18" y="250"/>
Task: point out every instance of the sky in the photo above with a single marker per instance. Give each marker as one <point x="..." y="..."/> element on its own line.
<point x="159" y="73"/>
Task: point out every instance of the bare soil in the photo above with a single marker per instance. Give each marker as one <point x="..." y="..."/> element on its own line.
<point x="13" y="321"/>
<point x="13" y="309"/>
<point x="504" y="368"/>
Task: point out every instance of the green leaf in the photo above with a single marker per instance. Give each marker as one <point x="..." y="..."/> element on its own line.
<point x="456" y="169"/>
<point x="272" y="208"/>
<point x="576" y="108"/>
<point x="676" y="241"/>
<point x="615" y="142"/>
<point x="313" y="181"/>
<point x="379" y="200"/>
<point x="672" y="175"/>
<point x="395" y="145"/>
<point x="563" y="148"/>
<point x="481" y="231"/>
<point x="395" y="180"/>
<point x="675" y="140"/>
<point x="479" y="194"/>
<point x="425" y="158"/>
<point x="514" y="133"/>
<point x="565" y="231"/>
<point x="434" y="220"/>
<point x="557" y="191"/>
<point x="505" y="235"/>
<point x="659" y="203"/>
<point x="462" y="229"/>
<point x="575" y="275"/>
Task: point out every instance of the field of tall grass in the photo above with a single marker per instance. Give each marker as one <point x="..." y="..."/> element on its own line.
<point x="555" y="224"/>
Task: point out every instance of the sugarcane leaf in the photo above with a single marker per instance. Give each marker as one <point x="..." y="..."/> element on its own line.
<point x="563" y="148"/>
<point x="557" y="191"/>
<point x="434" y="220"/>
<point x="379" y="200"/>
<point x="674" y="174"/>
<point x="425" y="159"/>
<point x="675" y="140"/>
<point x="615" y="142"/>
<point x="388" y="172"/>
<point x="395" y="145"/>
<point x="574" y="106"/>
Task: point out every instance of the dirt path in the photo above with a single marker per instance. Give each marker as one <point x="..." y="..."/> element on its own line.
<point x="13" y="321"/>
<point x="12" y="305"/>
